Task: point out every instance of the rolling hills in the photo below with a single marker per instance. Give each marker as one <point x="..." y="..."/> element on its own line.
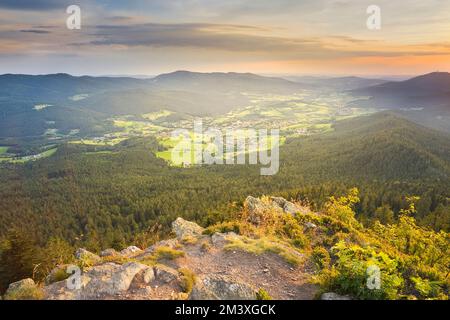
<point x="382" y="146"/>
<point x="82" y="103"/>
<point x="424" y="99"/>
<point x="119" y="191"/>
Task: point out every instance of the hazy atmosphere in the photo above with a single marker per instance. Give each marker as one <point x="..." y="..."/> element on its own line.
<point x="271" y="37"/>
<point x="224" y="150"/>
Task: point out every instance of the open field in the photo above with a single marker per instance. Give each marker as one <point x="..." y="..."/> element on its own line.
<point x="302" y="114"/>
<point x="45" y="154"/>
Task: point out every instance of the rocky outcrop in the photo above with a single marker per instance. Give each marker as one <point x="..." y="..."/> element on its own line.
<point x="209" y="268"/>
<point x="109" y="253"/>
<point x="102" y="281"/>
<point x="89" y="257"/>
<point x="165" y="274"/>
<point x="122" y="279"/>
<point x="221" y="288"/>
<point x="257" y="208"/>
<point x="130" y="251"/>
<point x="183" y="228"/>
<point x="23" y="290"/>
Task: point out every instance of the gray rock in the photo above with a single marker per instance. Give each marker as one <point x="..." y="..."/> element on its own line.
<point x="290" y="208"/>
<point x="83" y="254"/>
<point x="109" y="253"/>
<point x="165" y="274"/>
<point x="99" y="282"/>
<point x="124" y="276"/>
<point x="130" y="251"/>
<point x="334" y="296"/>
<point x="221" y="288"/>
<point x="24" y="289"/>
<point x="256" y="210"/>
<point x="279" y="201"/>
<point x="25" y="283"/>
<point x="149" y="275"/>
<point x="183" y="228"/>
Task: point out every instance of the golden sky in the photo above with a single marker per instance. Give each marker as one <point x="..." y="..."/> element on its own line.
<point x="327" y="37"/>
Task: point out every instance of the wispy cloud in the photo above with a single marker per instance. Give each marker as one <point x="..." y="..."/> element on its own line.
<point x="35" y="31"/>
<point x="39" y="5"/>
<point x="245" y="39"/>
<point x="171" y="34"/>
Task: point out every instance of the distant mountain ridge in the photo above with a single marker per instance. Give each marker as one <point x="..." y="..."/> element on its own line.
<point x="431" y="90"/>
<point x="424" y="99"/>
<point x="338" y="83"/>
<point x="86" y="101"/>
<point x="225" y="82"/>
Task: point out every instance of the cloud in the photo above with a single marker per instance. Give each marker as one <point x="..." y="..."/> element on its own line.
<point x="35" y="31"/>
<point x="33" y="4"/>
<point x="242" y="39"/>
<point x="238" y="38"/>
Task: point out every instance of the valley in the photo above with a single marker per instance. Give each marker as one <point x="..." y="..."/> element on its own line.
<point x="84" y="173"/>
<point x="300" y="114"/>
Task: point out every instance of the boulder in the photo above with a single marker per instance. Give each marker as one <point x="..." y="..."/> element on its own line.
<point x="148" y="275"/>
<point x="286" y="206"/>
<point x="221" y="288"/>
<point x="334" y="296"/>
<point x="279" y="201"/>
<point x="290" y="208"/>
<point x="130" y="251"/>
<point x="183" y="228"/>
<point x="99" y="282"/>
<point x="256" y="210"/>
<point x="23" y="290"/>
<point x="87" y="256"/>
<point x="124" y="276"/>
<point x="165" y="274"/>
<point x="109" y="253"/>
<point x="60" y="291"/>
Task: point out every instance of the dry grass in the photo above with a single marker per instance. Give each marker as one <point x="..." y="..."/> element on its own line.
<point x="265" y="245"/>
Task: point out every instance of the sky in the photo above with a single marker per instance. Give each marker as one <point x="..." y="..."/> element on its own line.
<point x="295" y="37"/>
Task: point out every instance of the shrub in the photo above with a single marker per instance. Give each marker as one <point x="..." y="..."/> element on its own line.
<point x="321" y="258"/>
<point x="263" y="295"/>
<point x="166" y="253"/>
<point x="188" y="279"/>
<point x="205" y="246"/>
<point x="427" y="288"/>
<point x="349" y="274"/>
<point x="190" y="240"/>
<point x="224" y="227"/>
<point x="291" y="229"/>
<point x="58" y="275"/>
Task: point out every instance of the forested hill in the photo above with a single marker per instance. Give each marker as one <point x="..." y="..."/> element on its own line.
<point x="429" y="91"/>
<point x="99" y="198"/>
<point x="383" y="146"/>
